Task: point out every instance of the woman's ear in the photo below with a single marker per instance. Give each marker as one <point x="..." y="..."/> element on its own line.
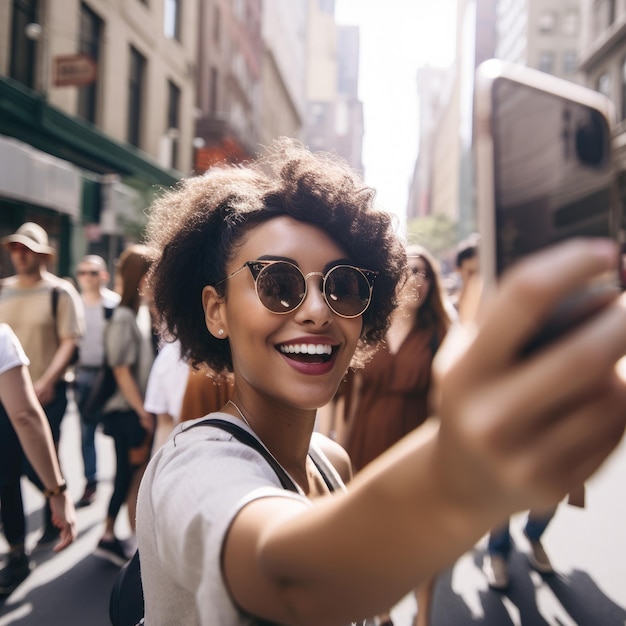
<point x="214" y="312"/>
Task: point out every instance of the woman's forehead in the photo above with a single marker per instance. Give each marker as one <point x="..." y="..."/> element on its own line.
<point x="289" y="238"/>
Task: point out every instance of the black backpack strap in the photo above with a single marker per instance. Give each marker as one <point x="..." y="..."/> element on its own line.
<point x="319" y="463"/>
<point x="54" y="294"/>
<point x="245" y="437"/>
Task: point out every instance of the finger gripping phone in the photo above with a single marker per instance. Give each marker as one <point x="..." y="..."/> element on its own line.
<point x="544" y="168"/>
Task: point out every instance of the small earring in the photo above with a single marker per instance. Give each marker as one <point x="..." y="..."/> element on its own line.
<point x="220" y="332"/>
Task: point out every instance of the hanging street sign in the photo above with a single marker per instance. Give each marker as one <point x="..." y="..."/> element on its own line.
<point x="73" y="70"/>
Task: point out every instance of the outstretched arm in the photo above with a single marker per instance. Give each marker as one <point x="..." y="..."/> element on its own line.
<point x="514" y="433"/>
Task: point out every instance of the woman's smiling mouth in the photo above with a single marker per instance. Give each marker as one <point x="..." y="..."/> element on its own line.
<point x="308" y="353"/>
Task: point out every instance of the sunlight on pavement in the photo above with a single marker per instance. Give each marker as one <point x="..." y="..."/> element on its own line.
<point x="549" y="605"/>
<point x="465" y="570"/>
<point x="20" y="613"/>
<point x="512" y="610"/>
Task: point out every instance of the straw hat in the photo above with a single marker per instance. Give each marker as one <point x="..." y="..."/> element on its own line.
<point x="33" y="236"/>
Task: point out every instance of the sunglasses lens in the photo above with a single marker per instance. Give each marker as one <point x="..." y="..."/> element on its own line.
<point x="280" y="287"/>
<point x="347" y="291"/>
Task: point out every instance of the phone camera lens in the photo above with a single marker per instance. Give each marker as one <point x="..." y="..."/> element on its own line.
<point x="591" y="140"/>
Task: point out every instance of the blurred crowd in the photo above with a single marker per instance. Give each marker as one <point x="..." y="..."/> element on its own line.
<point x="77" y="335"/>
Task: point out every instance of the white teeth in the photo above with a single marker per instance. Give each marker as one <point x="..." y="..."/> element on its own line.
<point x="306" y="348"/>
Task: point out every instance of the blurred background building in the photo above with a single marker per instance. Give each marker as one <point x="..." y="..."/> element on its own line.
<point x="92" y="96"/>
<point x="229" y="81"/>
<point x="334" y="115"/>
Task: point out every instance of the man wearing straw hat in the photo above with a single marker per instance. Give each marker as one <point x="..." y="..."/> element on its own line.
<point x="46" y="314"/>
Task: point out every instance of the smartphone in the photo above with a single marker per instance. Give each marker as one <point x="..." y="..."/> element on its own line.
<point x="544" y="171"/>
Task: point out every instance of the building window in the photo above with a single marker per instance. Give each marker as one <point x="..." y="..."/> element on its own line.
<point x="136" y="78"/>
<point x="213" y="101"/>
<point x="570" y="24"/>
<point x="173" y="121"/>
<point x="604" y="15"/>
<point x="546" y="61"/>
<point x="22" y="63"/>
<point x="172" y="19"/>
<point x="547" y="23"/>
<point x="216" y="24"/>
<point x="623" y="87"/>
<point x="610" y="12"/>
<point x="570" y="62"/>
<point x="90" y="41"/>
<point x="604" y="85"/>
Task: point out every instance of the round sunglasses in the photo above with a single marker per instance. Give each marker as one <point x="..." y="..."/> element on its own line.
<point x="282" y="287"/>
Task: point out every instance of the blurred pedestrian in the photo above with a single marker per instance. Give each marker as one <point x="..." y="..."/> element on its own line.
<point x="166" y="387"/>
<point x="129" y="352"/>
<point x="46" y="314"/>
<point x="205" y="393"/>
<point x="390" y="396"/>
<point x="467" y="267"/>
<point x="24" y="427"/>
<point x="499" y="545"/>
<point x="98" y="301"/>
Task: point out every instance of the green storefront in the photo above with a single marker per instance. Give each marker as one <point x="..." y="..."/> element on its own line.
<point x="86" y="189"/>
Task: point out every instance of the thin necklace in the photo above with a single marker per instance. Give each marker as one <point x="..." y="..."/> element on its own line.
<point x="243" y="417"/>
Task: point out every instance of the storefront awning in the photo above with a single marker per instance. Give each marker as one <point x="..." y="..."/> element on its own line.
<point x="26" y="115"/>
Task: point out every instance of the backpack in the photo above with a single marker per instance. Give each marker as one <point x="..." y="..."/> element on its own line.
<point x="126" y="606"/>
<point x="103" y="387"/>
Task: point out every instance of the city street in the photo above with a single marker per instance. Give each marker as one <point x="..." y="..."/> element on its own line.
<point x="587" y="546"/>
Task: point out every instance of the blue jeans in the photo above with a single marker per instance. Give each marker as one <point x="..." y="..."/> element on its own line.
<point x="83" y="382"/>
<point x="500" y="539"/>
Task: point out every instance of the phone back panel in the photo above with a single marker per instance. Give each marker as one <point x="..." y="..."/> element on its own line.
<point x="545" y="170"/>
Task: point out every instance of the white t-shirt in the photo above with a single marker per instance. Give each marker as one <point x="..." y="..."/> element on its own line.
<point x="191" y="491"/>
<point x="92" y="342"/>
<point x="11" y="352"/>
<point x="167" y="382"/>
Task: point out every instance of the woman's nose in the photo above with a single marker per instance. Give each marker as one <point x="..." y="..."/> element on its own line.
<point x="314" y="307"/>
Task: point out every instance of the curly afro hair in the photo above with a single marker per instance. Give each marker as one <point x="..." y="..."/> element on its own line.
<point x="194" y="229"/>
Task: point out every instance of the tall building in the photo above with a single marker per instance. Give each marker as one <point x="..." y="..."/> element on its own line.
<point x="230" y="54"/>
<point x="283" y="69"/>
<point x="349" y="124"/>
<point x="602" y="60"/>
<point x="432" y="84"/>
<point x="334" y="116"/>
<point x="443" y="184"/>
<point x="95" y="113"/>
<point x="543" y="34"/>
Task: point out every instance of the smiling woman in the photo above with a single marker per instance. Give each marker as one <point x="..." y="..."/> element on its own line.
<point x="283" y="274"/>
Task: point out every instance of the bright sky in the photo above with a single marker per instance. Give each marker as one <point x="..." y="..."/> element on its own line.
<point x="397" y="37"/>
